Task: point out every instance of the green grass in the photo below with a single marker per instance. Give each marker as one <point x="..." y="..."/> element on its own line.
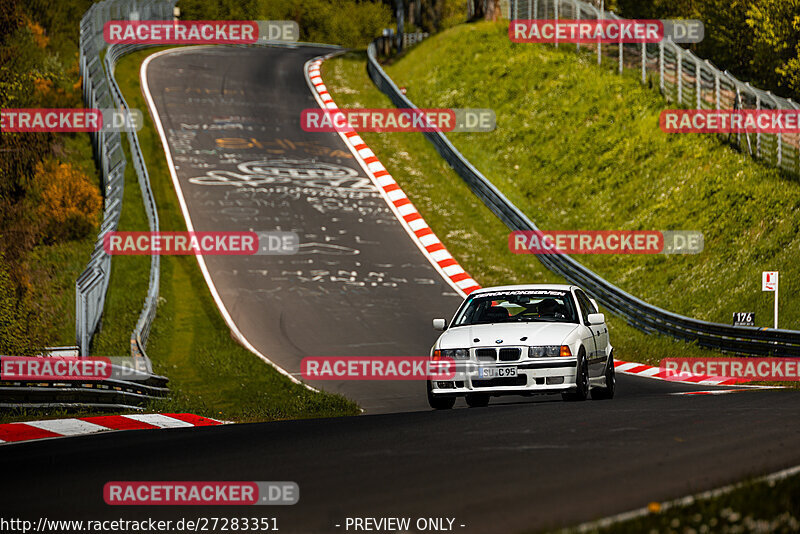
<point x="210" y="374"/>
<point x="578" y="147"/>
<point x="472" y="233"/>
<point x="762" y="506"/>
<point x="130" y="275"/>
<point x="54" y="268"/>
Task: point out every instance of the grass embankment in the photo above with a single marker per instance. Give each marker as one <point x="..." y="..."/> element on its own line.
<point x="761" y="506"/>
<point x="578" y="147"/>
<point x="210" y="374"/>
<point x="55" y="267"/>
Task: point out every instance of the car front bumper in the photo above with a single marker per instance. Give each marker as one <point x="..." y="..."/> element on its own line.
<point x="539" y="375"/>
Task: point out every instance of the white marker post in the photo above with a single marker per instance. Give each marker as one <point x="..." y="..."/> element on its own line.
<point x="769" y="282"/>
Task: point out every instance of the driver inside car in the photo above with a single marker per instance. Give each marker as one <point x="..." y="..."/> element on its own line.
<point x="549" y="308"/>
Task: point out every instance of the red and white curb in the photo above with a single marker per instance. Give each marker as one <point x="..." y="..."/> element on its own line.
<point x="416" y="227"/>
<point x="650" y="371"/>
<point x="659" y="373"/>
<point x="58" y="428"/>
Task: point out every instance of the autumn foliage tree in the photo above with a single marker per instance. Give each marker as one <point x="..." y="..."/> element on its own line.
<point x="757" y="40"/>
<point x="69" y="204"/>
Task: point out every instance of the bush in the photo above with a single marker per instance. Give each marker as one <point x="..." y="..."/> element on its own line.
<point x="348" y="23"/>
<point x="70" y="204"/>
<point x="757" y="40"/>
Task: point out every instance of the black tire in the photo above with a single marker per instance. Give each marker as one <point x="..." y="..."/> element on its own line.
<point x="477" y="400"/>
<point x="440" y="402"/>
<point x="582" y="381"/>
<point x="607" y="392"/>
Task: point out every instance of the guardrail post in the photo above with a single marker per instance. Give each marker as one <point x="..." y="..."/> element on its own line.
<point x="621" y="47"/>
<point x="739" y="103"/>
<point x="600" y="17"/>
<point x="578" y="18"/>
<point x="716" y="87"/>
<point x="794" y="106"/>
<point x="779" y="136"/>
<point x="644" y="61"/>
<point x="555" y="7"/>
<point x="661" y="65"/>
<point x="697" y="84"/>
<point x="758" y="133"/>
<point x="80" y="323"/>
<point x="679" y="75"/>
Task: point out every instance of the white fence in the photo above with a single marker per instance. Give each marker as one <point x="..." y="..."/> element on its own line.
<point x="100" y="90"/>
<point x="685" y="80"/>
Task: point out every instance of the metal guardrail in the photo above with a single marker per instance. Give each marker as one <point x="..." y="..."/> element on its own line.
<point x="100" y="90"/>
<point x="639" y="314"/>
<point x="387" y="43"/>
<point x="111" y="394"/>
<point x="410" y="39"/>
<point x="142" y="330"/>
<point x="105" y="394"/>
<point x="684" y="79"/>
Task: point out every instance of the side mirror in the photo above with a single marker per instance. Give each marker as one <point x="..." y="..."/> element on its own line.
<point x="439" y="324"/>
<point x="596" y="318"/>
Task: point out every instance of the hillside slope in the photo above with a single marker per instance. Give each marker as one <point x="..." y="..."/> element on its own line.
<point x="578" y="147"/>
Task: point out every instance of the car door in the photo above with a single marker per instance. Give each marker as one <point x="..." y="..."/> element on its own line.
<point x="598" y="356"/>
<point x="604" y="342"/>
<point x="587" y="335"/>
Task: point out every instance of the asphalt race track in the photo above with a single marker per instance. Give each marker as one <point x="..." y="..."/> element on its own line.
<point x="505" y="468"/>
<point x="523" y="464"/>
<point x="358" y="286"/>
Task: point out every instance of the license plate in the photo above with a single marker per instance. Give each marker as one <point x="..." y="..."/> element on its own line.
<point x="496" y="372"/>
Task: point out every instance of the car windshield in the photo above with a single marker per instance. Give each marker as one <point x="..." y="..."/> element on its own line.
<point x="518" y="307"/>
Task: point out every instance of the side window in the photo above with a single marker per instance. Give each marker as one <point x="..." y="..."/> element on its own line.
<point x="592" y="307"/>
<point x="585" y="304"/>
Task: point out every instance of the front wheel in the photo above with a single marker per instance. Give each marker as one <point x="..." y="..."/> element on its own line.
<point x="581" y="381"/>
<point x="607" y="392"/>
<point x="439" y="402"/>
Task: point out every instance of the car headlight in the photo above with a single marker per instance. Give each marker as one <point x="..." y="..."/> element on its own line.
<point x="549" y="351"/>
<point x="456" y="354"/>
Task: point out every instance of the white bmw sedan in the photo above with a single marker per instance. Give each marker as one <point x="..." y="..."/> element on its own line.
<point x="523" y="340"/>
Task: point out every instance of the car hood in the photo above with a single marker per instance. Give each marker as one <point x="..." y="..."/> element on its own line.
<point x="510" y="334"/>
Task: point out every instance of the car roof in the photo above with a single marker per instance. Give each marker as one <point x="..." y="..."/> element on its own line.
<point x="555" y="287"/>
